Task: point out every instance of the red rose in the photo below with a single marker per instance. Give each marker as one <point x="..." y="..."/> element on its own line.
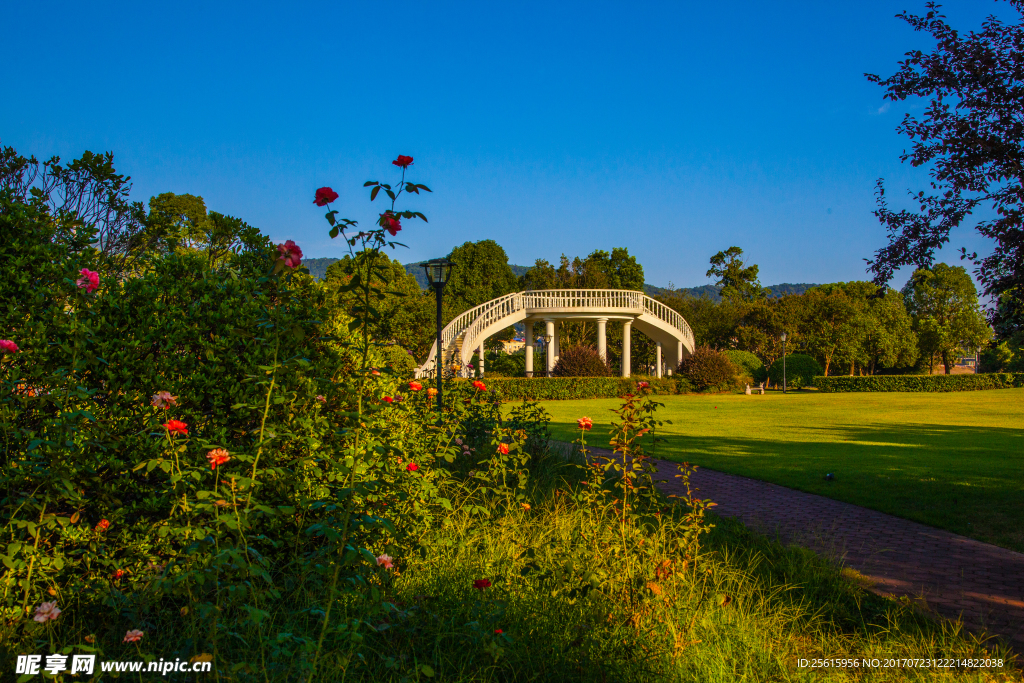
<point x="480" y="386"/>
<point x="390" y="222"/>
<point x="119" y="573"/>
<point x="388" y="399"/>
<point x="415" y="386"/>
<point x="412" y="467"/>
<point x="503" y="448"/>
<point x="325" y="196"/>
<point x="177" y="427"/>
<point x="498" y="631"/>
<point x="481" y="584"/>
<point x="585" y="423"/>
<point x="402" y="161"/>
<point x="102" y="525"/>
<point x="643" y="385"/>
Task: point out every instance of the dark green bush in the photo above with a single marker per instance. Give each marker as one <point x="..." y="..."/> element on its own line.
<point x="581" y="361"/>
<point x="567" y="388"/>
<point x="748" y="364"/>
<point x="707" y="369"/>
<point x="800" y="371"/>
<point x="507" y="365"/>
<point x="993" y="380"/>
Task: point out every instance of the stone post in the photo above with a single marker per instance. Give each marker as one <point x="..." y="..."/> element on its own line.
<point x="657" y="357"/>
<point x="480" y="353"/>
<point x="626" y="328"/>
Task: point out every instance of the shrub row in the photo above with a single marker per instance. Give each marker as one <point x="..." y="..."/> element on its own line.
<point x="568" y="388"/>
<point x="993" y="380"/>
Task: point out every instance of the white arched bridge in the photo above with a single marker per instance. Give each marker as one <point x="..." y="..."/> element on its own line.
<point x="466" y="335"/>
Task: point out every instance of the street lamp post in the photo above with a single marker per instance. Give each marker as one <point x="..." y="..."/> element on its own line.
<point x="438" y="271"/>
<point x="783" y="362"/>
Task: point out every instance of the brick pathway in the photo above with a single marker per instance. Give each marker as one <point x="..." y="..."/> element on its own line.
<point x="955" y="575"/>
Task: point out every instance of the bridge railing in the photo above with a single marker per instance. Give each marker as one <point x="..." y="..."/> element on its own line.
<point x="470" y="324"/>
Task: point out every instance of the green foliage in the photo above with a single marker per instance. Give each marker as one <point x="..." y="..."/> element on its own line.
<point x="707" y="369"/>
<point x="947" y="318"/>
<point x="505" y="364"/>
<point x="737" y="282"/>
<point x="181" y="223"/>
<point x="563" y="388"/>
<point x="480" y="272"/>
<point x="800" y="371"/>
<point x="581" y="361"/>
<point x="713" y="323"/>
<point x="404" y="314"/>
<point x="964" y="382"/>
<point x="748" y="364"/>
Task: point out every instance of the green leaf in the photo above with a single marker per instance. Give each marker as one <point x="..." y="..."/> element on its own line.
<point x="374" y="191"/>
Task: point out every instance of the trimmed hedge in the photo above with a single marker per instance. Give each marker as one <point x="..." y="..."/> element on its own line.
<point x="568" y="388"/>
<point x="989" y="380"/>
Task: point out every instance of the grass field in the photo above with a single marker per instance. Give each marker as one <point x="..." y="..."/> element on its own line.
<point x="950" y="460"/>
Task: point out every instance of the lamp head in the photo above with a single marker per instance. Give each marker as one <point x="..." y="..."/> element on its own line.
<point x="438" y="271"/>
<point x="783" y="336"/>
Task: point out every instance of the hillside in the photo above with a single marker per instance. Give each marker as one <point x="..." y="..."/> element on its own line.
<point x="318" y="268"/>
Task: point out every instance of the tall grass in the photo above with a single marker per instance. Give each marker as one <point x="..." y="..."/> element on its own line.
<point x="568" y="601"/>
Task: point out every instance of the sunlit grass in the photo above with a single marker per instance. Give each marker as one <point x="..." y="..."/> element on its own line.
<point x="950" y="460"/>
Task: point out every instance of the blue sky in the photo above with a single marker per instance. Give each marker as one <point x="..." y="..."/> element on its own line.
<point x="673" y="129"/>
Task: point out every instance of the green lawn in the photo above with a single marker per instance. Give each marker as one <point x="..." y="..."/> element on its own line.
<point x="950" y="460"/>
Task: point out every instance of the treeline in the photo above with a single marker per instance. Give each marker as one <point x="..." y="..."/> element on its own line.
<point x="848" y="327"/>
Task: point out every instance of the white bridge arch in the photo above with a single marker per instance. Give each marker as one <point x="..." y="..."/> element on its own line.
<point x="466" y="335"/>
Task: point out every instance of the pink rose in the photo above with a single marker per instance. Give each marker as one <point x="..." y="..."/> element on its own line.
<point x="290" y="253"/>
<point x="89" y="280"/>
<point x="325" y="196"/>
<point x="7" y="346"/>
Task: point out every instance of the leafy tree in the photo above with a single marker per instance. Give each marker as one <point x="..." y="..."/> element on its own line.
<point x="834" y="324"/>
<point x="406" y="314"/>
<point x="889" y="340"/>
<point x="714" y="324"/>
<point x="480" y="272"/>
<point x="972" y="142"/>
<point x="87" y="200"/>
<point x="947" y="318"/>
<point x="763" y="322"/>
<point x="180" y="222"/>
<point x="737" y="281"/>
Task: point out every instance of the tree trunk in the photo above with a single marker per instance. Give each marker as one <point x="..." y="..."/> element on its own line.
<point x="828" y="359"/>
<point x="872" y="365"/>
<point x="945" y="361"/>
<point x="852" y="363"/>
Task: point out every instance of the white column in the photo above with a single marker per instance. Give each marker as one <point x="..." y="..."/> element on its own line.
<point x="529" y="348"/>
<point x="626" y="328"/>
<point x="602" y="338"/>
<point x="480" y="353"/>
<point x="554" y="346"/>
<point x="549" y="357"/>
<point x="679" y="354"/>
<point x="657" y="357"/>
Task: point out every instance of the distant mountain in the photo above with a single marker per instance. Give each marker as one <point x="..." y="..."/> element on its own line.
<point x="714" y="293"/>
<point x="318" y="266"/>
<point x="318" y="269"/>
